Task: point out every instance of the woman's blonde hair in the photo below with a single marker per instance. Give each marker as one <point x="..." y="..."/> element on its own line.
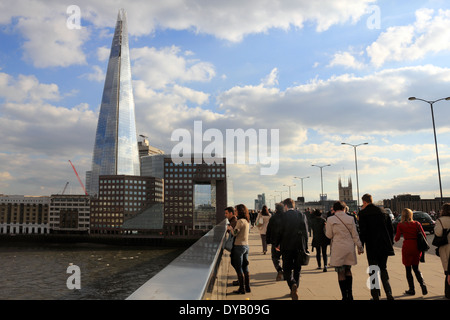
<point x="407" y="215"/>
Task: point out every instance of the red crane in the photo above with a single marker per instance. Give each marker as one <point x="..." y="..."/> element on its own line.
<point x="79" y="180"/>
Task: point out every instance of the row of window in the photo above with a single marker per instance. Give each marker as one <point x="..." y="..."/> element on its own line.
<point x="171" y="164"/>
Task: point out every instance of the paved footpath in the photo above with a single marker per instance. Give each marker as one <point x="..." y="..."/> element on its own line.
<point x="318" y="285"/>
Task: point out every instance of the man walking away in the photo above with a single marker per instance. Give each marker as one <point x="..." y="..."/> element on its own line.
<point x="377" y="234"/>
<point x="271" y="235"/>
<point x="292" y="240"/>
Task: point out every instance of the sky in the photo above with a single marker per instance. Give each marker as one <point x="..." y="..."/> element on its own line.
<point x="318" y="73"/>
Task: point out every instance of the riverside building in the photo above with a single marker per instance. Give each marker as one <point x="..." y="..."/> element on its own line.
<point x="24" y="214"/>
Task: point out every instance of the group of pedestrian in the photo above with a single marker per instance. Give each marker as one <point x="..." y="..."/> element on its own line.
<point x="372" y="232"/>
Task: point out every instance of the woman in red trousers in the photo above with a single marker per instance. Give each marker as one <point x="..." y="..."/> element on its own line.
<point x="410" y="254"/>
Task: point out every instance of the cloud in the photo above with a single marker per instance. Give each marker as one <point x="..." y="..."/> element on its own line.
<point x="430" y="33"/>
<point x="345" y="59"/>
<point x="160" y="68"/>
<point x="49" y="43"/>
<point x="97" y="74"/>
<point x="30" y="122"/>
<point x="271" y="79"/>
<point x="26" y="88"/>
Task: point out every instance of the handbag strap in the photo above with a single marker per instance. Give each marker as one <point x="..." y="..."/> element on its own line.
<point x="343" y="224"/>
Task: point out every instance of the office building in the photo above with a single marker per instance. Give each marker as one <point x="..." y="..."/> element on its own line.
<point x="24" y="214"/>
<point x="260" y="202"/>
<point x="116" y="148"/>
<point x="145" y="149"/>
<point x="414" y="202"/>
<point x="195" y="196"/>
<point x="69" y="214"/>
<point x="120" y="198"/>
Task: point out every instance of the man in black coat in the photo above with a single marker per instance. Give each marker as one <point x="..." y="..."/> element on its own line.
<point x="292" y="240"/>
<point x="377" y="234"/>
<point x="273" y="228"/>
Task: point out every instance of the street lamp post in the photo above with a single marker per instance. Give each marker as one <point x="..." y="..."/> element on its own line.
<point x="356" y="164"/>
<point x="302" y="183"/>
<point x="321" y="176"/>
<point x="289" y="186"/>
<point x="435" y="139"/>
<point x="281" y="195"/>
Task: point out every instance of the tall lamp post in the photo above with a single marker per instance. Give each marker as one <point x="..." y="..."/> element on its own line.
<point x="356" y="164"/>
<point x="302" y="183"/>
<point x="281" y="195"/>
<point x="321" y="176"/>
<point x="289" y="186"/>
<point x="435" y="139"/>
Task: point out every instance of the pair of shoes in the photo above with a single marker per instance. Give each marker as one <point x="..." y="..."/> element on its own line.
<point x="294" y="293"/>
<point x="410" y="292"/>
<point x="325" y="269"/>
<point x="389" y="296"/>
<point x="279" y="276"/>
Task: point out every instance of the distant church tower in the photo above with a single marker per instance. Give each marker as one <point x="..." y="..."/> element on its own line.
<point x="345" y="193"/>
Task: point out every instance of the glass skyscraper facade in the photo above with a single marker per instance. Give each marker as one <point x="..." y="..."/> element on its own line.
<point x="116" y="149"/>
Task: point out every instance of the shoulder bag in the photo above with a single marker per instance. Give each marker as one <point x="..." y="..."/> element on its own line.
<point x="304" y="252"/>
<point x="442" y="240"/>
<point x="422" y="243"/>
<point x="229" y="242"/>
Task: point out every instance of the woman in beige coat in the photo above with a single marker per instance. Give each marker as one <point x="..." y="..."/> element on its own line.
<point x="444" y="251"/>
<point x="261" y="222"/>
<point x="341" y="229"/>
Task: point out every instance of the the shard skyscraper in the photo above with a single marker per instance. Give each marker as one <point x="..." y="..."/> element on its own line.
<point x="116" y="149"/>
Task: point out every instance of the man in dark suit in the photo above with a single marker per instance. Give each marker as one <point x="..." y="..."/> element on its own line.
<point x="377" y="234"/>
<point x="292" y="240"/>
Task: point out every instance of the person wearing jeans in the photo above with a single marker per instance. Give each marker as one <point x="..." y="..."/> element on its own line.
<point x="239" y="253"/>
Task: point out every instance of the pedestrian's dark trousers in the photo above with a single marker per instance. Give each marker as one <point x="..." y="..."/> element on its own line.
<point x="381" y="262"/>
<point x="291" y="267"/>
<point x="276" y="259"/>
<point x="321" y="250"/>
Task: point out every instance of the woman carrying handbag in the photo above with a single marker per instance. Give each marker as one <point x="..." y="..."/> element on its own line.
<point x="410" y="253"/>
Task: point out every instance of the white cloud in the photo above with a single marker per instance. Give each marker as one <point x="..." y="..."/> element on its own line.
<point x="49" y="43"/>
<point x="29" y="122"/>
<point x="271" y="79"/>
<point x="430" y="33"/>
<point x="345" y="59"/>
<point x="97" y="74"/>
<point x="162" y="67"/>
<point x="26" y="88"/>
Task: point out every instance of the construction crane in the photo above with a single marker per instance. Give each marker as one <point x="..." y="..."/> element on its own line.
<point x="79" y="180"/>
<point x="65" y="187"/>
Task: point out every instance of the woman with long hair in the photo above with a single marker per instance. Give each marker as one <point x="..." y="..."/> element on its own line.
<point x="261" y="222"/>
<point x="410" y="254"/>
<point x="320" y="241"/>
<point x="239" y="253"/>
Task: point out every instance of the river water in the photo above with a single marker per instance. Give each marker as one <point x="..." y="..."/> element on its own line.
<point x="106" y="272"/>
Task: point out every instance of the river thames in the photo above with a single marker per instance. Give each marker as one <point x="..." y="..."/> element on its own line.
<point x="107" y="272"/>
